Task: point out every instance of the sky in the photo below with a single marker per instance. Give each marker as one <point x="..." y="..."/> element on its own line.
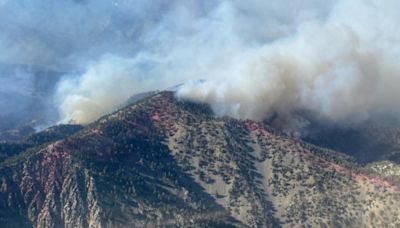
<point x="247" y="59"/>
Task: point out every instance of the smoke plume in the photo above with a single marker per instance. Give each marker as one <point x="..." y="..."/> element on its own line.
<point x="336" y="59"/>
<point x="341" y="68"/>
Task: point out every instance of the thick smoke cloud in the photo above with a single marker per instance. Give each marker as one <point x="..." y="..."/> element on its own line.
<point x="341" y="67"/>
<point x="335" y="59"/>
<point x="40" y="41"/>
<point x="189" y="42"/>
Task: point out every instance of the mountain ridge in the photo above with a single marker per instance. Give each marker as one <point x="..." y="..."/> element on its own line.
<point x="162" y="161"/>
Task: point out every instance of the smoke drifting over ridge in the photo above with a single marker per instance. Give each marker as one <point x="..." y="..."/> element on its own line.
<point x="336" y="59"/>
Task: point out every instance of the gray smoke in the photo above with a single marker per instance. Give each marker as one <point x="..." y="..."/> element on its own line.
<point x="342" y="68"/>
<point x="42" y="41"/>
<point x="336" y="59"/>
<point x="191" y="41"/>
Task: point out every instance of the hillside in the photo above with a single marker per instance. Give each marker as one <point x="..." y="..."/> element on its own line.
<point x="165" y="162"/>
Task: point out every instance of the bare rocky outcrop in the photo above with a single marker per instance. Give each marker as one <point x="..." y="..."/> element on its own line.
<point x="161" y="162"/>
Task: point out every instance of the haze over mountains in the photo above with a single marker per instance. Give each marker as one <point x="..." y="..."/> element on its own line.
<point x="282" y="113"/>
<point x="336" y="59"/>
<point x="26" y="100"/>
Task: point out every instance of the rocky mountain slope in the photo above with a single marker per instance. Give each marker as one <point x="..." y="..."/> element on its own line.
<point x="169" y="163"/>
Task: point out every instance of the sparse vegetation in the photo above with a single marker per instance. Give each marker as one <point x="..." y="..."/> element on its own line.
<point x="160" y="161"/>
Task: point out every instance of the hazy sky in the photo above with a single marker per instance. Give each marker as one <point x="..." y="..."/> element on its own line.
<point x="335" y="58"/>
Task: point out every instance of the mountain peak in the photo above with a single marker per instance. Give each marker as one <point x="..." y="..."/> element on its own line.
<point x="162" y="161"/>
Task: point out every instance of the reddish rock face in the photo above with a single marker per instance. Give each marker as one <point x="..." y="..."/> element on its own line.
<point x="162" y="162"/>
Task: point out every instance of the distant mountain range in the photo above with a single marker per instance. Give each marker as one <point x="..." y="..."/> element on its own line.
<point x="26" y="102"/>
<point x="163" y="162"/>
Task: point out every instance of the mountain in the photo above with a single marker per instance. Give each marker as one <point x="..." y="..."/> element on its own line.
<point x="27" y="99"/>
<point x="52" y="134"/>
<point x="165" y="162"/>
<point x="368" y="141"/>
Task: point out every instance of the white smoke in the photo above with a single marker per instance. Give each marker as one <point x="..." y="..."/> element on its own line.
<point x="337" y="59"/>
